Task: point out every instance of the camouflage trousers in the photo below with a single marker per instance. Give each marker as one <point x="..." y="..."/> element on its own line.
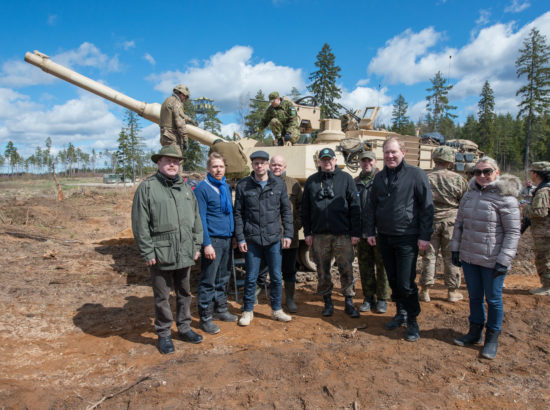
<point x="542" y="259"/>
<point x="169" y="137"/>
<point x="441" y="239"/>
<point x="279" y="131"/>
<point x="324" y="248"/>
<point x="374" y="280"/>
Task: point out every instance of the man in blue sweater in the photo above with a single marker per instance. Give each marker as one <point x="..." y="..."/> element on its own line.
<point x="216" y="211"/>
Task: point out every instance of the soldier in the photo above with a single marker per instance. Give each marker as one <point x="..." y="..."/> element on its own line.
<point x="277" y="165"/>
<point x="374" y="280"/>
<point x="173" y="118"/>
<point x="282" y="120"/>
<point x="539" y="217"/>
<point x="448" y="187"/>
<point x="331" y="216"/>
<point x="168" y="232"/>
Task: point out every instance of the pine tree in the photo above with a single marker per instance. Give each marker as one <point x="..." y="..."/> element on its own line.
<point x="194" y="156"/>
<point x="294" y="94"/>
<point x="256" y="110"/>
<point x="438" y="103"/>
<point x="12" y="156"/>
<point x="400" y="121"/>
<point x="486" y="117"/>
<point x="533" y="62"/>
<point x="323" y="83"/>
<point x="124" y="155"/>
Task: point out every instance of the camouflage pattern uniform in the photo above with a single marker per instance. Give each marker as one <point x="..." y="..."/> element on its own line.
<point x="448" y="187"/>
<point x="326" y="246"/>
<point x="172" y="123"/>
<point x="538" y="212"/>
<point x="281" y="120"/>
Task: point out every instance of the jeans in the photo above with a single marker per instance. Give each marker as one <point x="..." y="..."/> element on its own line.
<point x="399" y="254"/>
<point x="289" y="264"/>
<point x="214" y="276"/>
<point x="253" y="259"/>
<point x="481" y="284"/>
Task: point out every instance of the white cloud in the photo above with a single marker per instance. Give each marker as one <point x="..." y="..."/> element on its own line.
<point x="229" y="129"/>
<point x="52" y="19"/>
<point x="517" y="6"/>
<point x="483" y="18"/>
<point x="226" y="76"/>
<point x="149" y="58"/>
<point x="126" y="45"/>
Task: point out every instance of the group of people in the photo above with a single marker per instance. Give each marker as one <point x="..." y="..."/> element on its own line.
<point x="391" y="215"/>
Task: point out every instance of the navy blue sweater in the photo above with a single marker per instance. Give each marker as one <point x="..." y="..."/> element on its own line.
<point x="214" y="221"/>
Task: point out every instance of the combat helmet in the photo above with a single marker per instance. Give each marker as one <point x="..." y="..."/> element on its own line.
<point x="273" y="96"/>
<point x="540" y="166"/>
<point x="182" y="89"/>
<point x="443" y="154"/>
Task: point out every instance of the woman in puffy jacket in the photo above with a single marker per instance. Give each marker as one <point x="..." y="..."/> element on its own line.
<point x="485" y="239"/>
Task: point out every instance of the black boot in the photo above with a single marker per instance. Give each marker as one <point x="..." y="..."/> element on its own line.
<point x="205" y="322"/>
<point x="474" y="336"/>
<point x="399" y="319"/>
<point x="165" y="345"/>
<point x="190" y="337"/>
<point x="491" y="344"/>
<point x="413" y="333"/>
<point x="350" y="308"/>
<point x="329" y="307"/>
<point x="289" y="295"/>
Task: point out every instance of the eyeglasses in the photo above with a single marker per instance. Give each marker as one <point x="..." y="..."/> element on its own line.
<point x="485" y="171"/>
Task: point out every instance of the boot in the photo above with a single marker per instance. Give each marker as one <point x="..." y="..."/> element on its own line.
<point x="424" y="295"/>
<point x="206" y="323"/>
<point x="329" y="307"/>
<point x="413" y="333"/>
<point x="289" y="295"/>
<point x="454" y="295"/>
<point x="165" y="345"/>
<point x="190" y="337"/>
<point x="474" y="336"/>
<point x="399" y="319"/>
<point x="221" y="313"/>
<point x="368" y="304"/>
<point x="350" y="308"/>
<point x="491" y="344"/>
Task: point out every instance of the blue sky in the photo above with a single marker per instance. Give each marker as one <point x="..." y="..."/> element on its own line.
<point x="228" y="50"/>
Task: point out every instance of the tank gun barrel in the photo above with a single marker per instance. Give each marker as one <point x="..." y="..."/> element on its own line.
<point x="150" y="111"/>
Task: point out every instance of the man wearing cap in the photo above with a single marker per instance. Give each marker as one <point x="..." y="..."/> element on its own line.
<point x="331" y="217"/>
<point x="173" y="118"/>
<point x="447" y="187"/>
<point x="261" y="207"/>
<point x="168" y="232"/>
<point x="376" y="289"/>
<point x="538" y="214"/>
<point x="282" y="120"/>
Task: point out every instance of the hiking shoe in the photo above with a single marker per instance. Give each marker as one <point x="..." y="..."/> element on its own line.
<point x="208" y="326"/>
<point x="280" y="316"/>
<point x="454" y="295"/>
<point x="367" y="304"/>
<point x="398" y="320"/>
<point x="381" y="306"/>
<point x="413" y="333"/>
<point x="165" y="345"/>
<point x="190" y="337"/>
<point x="224" y="316"/>
<point x="246" y="318"/>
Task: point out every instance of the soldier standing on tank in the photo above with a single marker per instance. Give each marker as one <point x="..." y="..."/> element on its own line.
<point x="282" y="120"/>
<point x="277" y="165"/>
<point x="448" y="187"/>
<point x="374" y="280"/>
<point x="331" y="217"/>
<point x="173" y="118"/>
<point x="539" y="217"/>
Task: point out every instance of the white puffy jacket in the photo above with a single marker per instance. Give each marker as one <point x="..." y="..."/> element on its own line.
<point x="487" y="226"/>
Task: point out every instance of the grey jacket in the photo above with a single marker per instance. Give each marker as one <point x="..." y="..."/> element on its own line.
<point x="487" y="225"/>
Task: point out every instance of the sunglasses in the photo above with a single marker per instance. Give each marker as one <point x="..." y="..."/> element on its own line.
<point x="486" y="171"/>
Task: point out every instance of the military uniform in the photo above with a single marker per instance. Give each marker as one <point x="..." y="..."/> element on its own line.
<point x="447" y="187"/>
<point x="172" y="122"/>
<point x="281" y="120"/>
<point x="538" y="213"/>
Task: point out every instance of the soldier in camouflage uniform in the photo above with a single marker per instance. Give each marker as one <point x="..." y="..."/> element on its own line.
<point x="374" y="280"/>
<point x="448" y="187"/>
<point x="282" y="120"/>
<point x="173" y="118"/>
<point x="538" y="214"/>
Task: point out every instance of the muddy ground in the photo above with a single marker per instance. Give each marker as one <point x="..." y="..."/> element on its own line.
<point x="76" y="331"/>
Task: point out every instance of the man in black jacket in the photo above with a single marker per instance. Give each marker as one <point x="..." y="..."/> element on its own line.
<point x="261" y="205"/>
<point x="400" y="210"/>
<point x="331" y="217"/>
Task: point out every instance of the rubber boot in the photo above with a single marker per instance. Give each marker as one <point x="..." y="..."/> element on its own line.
<point x="350" y="308"/>
<point x="399" y="319"/>
<point x="474" y="336"/>
<point x="329" y="307"/>
<point x="491" y="344"/>
<point x="206" y="323"/>
<point x="289" y="295"/>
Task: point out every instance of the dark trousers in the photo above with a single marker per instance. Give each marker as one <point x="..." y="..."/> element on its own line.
<point x="162" y="280"/>
<point x="399" y="254"/>
<point x="289" y="264"/>
<point x="214" y="276"/>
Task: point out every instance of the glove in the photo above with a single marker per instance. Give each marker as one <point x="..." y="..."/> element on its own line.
<point x="500" y="270"/>
<point x="287" y="136"/>
<point x="455" y="259"/>
<point x="525" y="223"/>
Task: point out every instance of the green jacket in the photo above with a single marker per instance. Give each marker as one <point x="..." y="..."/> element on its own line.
<point x="166" y="222"/>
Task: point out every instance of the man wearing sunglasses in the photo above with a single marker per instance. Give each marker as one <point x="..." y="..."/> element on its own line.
<point x="331" y="217"/>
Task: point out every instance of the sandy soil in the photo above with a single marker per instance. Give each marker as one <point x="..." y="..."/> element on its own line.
<point x="76" y="331"/>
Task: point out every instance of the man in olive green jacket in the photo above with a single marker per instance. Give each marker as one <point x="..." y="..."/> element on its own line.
<point x="168" y="232"/>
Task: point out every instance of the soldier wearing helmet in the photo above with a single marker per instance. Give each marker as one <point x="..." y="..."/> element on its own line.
<point x="448" y="187"/>
<point x="282" y="120"/>
<point x="173" y="118"/>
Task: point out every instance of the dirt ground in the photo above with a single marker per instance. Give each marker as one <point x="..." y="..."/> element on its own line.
<point x="76" y="331"/>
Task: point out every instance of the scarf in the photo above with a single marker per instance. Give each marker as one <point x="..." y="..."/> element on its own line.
<point x="225" y="203"/>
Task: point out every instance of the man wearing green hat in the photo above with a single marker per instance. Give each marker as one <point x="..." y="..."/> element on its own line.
<point x="282" y="120"/>
<point x="168" y="232"/>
